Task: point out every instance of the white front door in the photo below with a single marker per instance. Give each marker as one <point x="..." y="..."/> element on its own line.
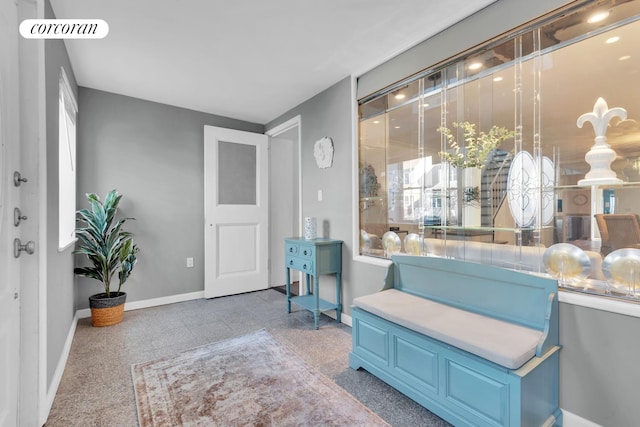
<point x="9" y="199"/>
<point x="236" y="212"/>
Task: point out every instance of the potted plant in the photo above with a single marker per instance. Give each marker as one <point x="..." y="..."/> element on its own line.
<point x="469" y="162"/>
<point x="111" y="253"/>
<point x="476" y="148"/>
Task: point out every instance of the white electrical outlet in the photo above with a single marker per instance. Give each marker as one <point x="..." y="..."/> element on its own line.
<point x="189" y="262"/>
<point x="319" y="195"/>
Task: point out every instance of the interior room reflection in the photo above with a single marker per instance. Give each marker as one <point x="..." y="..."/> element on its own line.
<point x="539" y="84"/>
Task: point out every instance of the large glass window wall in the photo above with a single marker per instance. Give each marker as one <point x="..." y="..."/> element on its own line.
<point x="536" y="201"/>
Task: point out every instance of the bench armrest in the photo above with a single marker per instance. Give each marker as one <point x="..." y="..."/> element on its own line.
<point x="550" y="336"/>
<point x="389" y="278"/>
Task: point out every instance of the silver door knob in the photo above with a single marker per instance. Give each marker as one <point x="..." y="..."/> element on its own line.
<point x="29" y="247"/>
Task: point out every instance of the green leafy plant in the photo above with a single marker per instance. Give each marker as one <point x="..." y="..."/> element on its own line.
<point x="108" y="247"/>
<point x="476" y="148"/>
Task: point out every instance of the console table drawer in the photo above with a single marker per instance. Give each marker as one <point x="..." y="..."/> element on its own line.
<point x="307" y="252"/>
<point x="301" y="264"/>
<point x="291" y="249"/>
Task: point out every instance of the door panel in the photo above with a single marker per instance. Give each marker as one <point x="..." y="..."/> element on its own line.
<point x="236" y="211"/>
<point x="9" y="199"/>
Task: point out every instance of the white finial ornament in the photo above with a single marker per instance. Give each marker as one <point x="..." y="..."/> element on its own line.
<point x="600" y="156"/>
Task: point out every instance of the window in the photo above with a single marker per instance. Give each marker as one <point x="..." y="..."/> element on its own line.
<point x="67" y="112"/>
<point x="535" y="82"/>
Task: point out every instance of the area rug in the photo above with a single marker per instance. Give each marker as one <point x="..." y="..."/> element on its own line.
<point x="251" y="380"/>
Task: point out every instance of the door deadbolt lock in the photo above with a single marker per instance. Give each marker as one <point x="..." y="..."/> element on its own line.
<point x="18" y="217"/>
<point x="29" y="247"/>
<point x="18" y="179"/>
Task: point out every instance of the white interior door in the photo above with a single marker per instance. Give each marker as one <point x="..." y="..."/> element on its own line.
<point x="236" y="211"/>
<point x="9" y="198"/>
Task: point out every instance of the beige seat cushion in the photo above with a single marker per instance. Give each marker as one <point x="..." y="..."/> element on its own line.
<point x="504" y="343"/>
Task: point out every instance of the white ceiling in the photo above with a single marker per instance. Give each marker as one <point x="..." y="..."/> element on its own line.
<point x="246" y="59"/>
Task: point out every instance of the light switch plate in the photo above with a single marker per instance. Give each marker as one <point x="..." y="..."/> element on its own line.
<point x="319" y="195"/>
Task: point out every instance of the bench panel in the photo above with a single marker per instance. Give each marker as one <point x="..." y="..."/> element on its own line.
<point x="418" y="364"/>
<point x="372" y="340"/>
<point x="478" y="394"/>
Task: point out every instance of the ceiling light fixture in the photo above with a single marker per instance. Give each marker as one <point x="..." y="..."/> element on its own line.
<point x="400" y="96"/>
<point x="497" y="79"/>
<point x="612" y="39"/>
<point x="624" y="58"/>
<point x="597" y="17"/>
<point x="475" y="65"/>
<point x="375" y="122"/>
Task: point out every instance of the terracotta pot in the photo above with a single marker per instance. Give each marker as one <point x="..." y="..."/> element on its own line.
<point x="107" y="311"/>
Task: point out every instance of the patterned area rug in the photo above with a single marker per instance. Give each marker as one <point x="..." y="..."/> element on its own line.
<point x="250" y="380"/>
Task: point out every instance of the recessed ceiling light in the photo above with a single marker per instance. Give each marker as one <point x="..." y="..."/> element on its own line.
<point x="375" y="122"/>
<point x="597" y="17"/>
<point x="475" y="65"/>
<point x="497" y="79"/>
<point x="624" y="58"/>
<point x="426" y="104"/>
<point x="400" y="96"/>
<point x="612" y="39"/>
<point x="397" y="127"/>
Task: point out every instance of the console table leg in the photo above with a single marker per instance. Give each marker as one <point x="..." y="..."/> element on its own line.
<point x="338" y="296"/>
<point x="288" y="289"/>
<point x="316" y="296"/>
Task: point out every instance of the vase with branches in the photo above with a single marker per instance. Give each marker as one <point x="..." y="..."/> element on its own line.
<point x="469" y="158"/>
<point x="476" y="148"/>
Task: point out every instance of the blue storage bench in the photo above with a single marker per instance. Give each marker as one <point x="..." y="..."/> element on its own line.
<point x="475" y="344"/>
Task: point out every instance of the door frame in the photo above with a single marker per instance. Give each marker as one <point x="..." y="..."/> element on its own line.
<point x="274" y="132"/>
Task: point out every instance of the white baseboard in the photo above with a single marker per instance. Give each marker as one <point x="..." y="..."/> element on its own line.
<point x="573" y="420"/>
<point x="57" y="375"/>
<point x="344" y="318"/>
<point x="154" y="302"/>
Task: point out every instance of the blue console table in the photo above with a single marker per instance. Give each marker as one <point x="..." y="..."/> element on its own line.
<point x="314" y="257"/>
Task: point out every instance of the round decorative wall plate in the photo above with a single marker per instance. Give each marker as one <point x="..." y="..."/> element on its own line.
<point x="323" y="152"/>
<point x="580" y="199"/>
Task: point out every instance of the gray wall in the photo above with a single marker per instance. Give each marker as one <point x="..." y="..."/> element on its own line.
<point x="152" y="154"/>
<point x="60" y="309"/>
<point x="599" y="375"/>
<point x="329" y="114"/>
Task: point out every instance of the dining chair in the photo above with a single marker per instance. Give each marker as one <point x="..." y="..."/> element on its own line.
<point x="622" y="231"/>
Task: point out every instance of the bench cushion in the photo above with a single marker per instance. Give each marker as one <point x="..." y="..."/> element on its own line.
<point x="504" y="343"/>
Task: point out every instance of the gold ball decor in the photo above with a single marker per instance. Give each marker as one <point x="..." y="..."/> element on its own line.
<point x="566" y="262"/>
<point x="622" y="268"/>
<point x="412" y="244"/>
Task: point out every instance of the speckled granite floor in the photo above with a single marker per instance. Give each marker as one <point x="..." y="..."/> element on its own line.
<point x="97" y="390"/>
